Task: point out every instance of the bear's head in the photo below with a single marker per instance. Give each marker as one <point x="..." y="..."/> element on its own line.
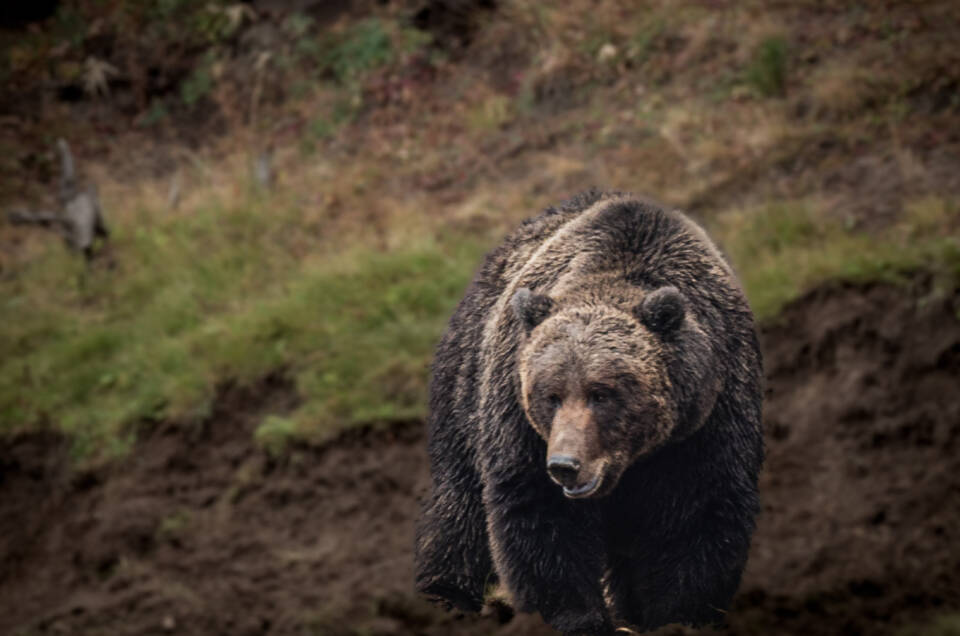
<point x="605" y="385"/>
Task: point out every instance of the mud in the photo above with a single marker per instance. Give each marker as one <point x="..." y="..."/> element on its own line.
<point x="199" y="531"/>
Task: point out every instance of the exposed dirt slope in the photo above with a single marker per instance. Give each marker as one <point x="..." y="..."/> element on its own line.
<point x="201" y="532"/>
<point x="861" y="523"/>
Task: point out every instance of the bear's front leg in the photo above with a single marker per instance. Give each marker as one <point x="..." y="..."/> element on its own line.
<point x="689" y="570"/>
<point x="547" y="550"/>
<point x="452" y="556"/>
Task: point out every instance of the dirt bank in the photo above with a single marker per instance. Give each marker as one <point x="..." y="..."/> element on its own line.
<point x="200" y="531"/>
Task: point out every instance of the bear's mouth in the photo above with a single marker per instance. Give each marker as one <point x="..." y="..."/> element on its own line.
<point x="584" y="490"/>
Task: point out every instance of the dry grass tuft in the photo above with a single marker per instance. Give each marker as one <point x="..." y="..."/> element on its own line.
<point x="847" y="89"/>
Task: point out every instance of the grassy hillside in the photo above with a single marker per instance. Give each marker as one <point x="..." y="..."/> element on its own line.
<point x="815" y="141"/>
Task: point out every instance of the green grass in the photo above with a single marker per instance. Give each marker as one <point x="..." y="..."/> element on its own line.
<point x="365" y="46"/>
<point x="945" y="625"/>
<point x="174" y="524"/>
<point x="274" y="432"/>
<point x="782" y="249"/>
<point x="217" y="295"/>
<point x="767" y="72"/>
<point x="197" y="85"/>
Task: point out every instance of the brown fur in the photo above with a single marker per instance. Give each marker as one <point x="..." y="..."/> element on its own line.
<point x="605" y="346"/>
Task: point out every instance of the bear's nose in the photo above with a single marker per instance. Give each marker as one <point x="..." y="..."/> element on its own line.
<point x="564" y="470"/>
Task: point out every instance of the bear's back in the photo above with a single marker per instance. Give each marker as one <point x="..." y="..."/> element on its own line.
<point x="612" y="237"/>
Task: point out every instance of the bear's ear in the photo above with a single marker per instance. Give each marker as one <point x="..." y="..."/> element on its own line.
<point x="531" y="309"/>
<point x="662" y="310"/>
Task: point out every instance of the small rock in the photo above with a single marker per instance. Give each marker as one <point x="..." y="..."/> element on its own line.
<point x="606" y="53"/>
<point x="169" y="623"/>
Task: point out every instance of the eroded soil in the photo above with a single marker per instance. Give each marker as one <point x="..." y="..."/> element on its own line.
<point x="200" y="531"/>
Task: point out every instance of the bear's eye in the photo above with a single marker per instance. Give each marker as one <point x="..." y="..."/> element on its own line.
<point x="554" y="401"/>
<point x="599" y="396"/>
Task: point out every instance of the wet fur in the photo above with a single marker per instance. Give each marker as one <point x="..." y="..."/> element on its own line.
<point x="668" y="544"/>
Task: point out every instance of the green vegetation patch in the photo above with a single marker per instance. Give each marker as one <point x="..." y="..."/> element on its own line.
<point x="943" y="625"/>
<point x="216" y="296"/>
<point x="782" y="249"/>
<point x="767" y="72"/>
<point x="366" y="46"/>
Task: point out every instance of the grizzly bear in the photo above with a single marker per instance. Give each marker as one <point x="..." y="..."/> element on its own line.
<point x="595" y="424"/>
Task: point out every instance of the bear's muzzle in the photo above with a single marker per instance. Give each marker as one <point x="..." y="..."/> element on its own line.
<point x="573" y="460"/>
